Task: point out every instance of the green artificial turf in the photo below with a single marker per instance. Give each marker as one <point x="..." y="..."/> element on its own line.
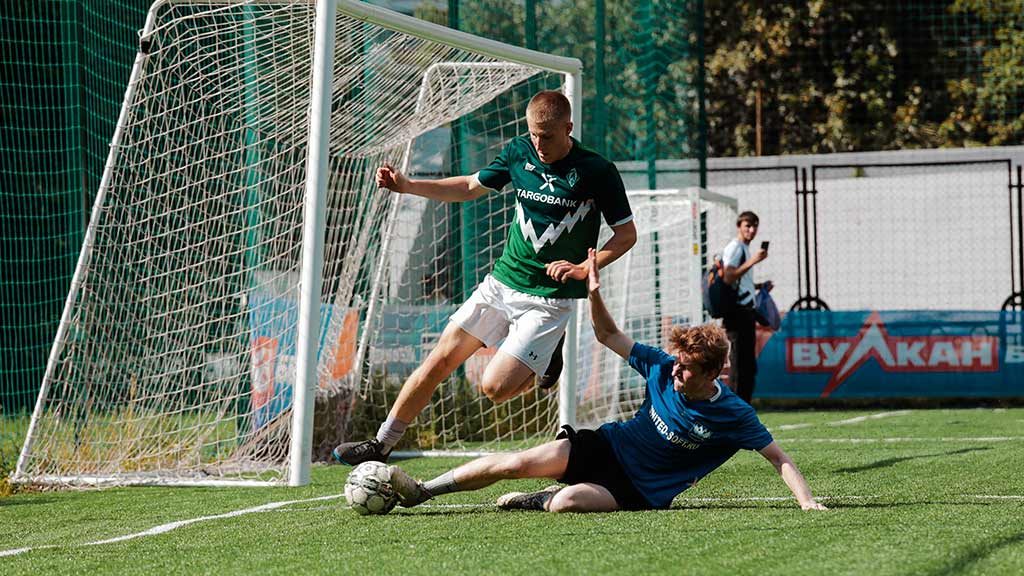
<point x="924" y="492"/>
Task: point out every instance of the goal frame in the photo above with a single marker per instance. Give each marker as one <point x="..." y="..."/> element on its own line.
<point x="693" y="194"/>
<point x="314" y="220"/>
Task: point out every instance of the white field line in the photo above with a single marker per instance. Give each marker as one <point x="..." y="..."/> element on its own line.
<point x="436" y="506"/>
<point x="768" y="498"/>
<point x="950" y="439"/>
<point x="856" y="420"/>
<point x="860" y="419"/>
<point x="791" y="427"/>
<point x="164" y="528"/>
<point x="827" y="498"/>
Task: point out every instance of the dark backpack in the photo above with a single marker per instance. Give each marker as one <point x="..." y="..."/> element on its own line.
<point x="719" y="296"/>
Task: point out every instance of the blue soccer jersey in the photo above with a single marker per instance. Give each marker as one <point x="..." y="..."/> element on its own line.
<point x="670" y="442"/>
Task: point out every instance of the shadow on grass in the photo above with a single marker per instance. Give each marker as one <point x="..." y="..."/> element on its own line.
<point x="892" y="461"/>
<point x="453" y="511"/>
<point x="837" y="504"/>
<point x="13" y="501"/>
<point x="973" y="555"/>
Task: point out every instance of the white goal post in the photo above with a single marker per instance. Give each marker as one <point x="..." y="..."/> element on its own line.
<point x="238" y="248"/>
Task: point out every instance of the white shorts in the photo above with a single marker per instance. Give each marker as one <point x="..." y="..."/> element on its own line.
<point x="529" y="325"/>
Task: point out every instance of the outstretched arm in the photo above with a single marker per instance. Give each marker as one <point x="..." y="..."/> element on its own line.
<point x="791" y="475"/>
<point x="623" y="238"/>
<point x="605" y="330"/>
<point x="453" y="189"/>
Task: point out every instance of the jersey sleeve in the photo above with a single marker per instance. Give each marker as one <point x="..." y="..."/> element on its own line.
<point x="732" y="256"/>
<point x="612" y="200"/>
<point x="751" y="434"/>
<point x="644" y="358"/>
<point x="496" y="175"/>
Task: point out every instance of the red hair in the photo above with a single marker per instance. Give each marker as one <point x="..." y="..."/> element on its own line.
<point x="706" y="345"/>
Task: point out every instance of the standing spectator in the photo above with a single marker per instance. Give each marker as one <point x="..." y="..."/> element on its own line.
<point x="739" y="320"/>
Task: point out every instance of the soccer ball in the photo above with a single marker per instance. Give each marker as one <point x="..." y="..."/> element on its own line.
<point x="368" y="489"/>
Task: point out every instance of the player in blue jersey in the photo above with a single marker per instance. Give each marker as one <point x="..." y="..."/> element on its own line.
<point x="688" y="425"/>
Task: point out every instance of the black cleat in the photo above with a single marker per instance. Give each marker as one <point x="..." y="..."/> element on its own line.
<point x="554" y="371"/>
<point x="353" y="453"/>
<point x="410" y="491"/>
<point x="527" y="500"/>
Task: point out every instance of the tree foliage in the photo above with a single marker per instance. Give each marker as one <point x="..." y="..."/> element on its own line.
<point x="863" y="75"/>
<point x="988" y="108"/>
<point x="830" y="75"/>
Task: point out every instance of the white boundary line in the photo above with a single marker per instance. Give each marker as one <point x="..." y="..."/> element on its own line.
<point x="164" y="528"/>
<point x="703" y="499"/>
<point x="860" y="419"/>
<point x="951" y="439"/>
<point x="855" y="420"/>
<point x="790" y="427"/>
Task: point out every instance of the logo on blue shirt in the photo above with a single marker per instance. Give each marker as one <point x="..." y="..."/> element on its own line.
<point x="671" y="436"/>
<point x="699" y="433"/>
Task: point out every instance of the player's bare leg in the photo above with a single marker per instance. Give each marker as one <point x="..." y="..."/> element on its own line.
<point x="545" y="461"/>
<point x="505" y="377"/>
<point x="453" y="348"/>
<point x="583" y="498"/>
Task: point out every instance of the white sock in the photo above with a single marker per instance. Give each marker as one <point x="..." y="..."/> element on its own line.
<point x="443" y="484"/>
<point x="390" y="432"/>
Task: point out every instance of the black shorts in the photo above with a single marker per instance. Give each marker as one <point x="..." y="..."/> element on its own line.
<point x="591" y="460"/>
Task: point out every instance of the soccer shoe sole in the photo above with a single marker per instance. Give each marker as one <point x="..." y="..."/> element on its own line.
<point x="527" y="500"/>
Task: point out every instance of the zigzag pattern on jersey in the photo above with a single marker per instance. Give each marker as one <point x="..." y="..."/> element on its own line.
<point x="553" y="232"/>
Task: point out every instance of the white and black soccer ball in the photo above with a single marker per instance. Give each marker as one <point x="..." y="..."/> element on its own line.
<point x="368" y="489"/>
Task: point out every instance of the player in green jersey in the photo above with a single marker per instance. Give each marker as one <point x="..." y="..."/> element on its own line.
<point x="562" y="190"/>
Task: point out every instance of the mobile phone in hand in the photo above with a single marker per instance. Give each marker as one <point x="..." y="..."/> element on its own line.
<point x="764" y="245"/>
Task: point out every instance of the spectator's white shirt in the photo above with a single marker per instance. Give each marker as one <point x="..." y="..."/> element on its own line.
<point x="734" y="255"/>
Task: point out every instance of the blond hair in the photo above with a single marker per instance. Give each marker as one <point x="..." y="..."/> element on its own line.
<point x="706" y="345"/>
<point x="549" y="106"/>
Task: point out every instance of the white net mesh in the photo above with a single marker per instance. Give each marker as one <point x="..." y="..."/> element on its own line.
<point x="654" y="286"/>
<point x="438" y="253"/>
<point x="179" y="351"/>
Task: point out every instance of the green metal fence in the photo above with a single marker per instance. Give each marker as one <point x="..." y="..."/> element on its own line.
<point x="63" y="69"/>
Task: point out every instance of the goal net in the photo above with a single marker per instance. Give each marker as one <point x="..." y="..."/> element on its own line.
<point x="177" y="353"/>
<point x="650" y="289"/>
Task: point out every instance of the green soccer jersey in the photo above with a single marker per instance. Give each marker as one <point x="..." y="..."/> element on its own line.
<point x="556" y="218"/>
